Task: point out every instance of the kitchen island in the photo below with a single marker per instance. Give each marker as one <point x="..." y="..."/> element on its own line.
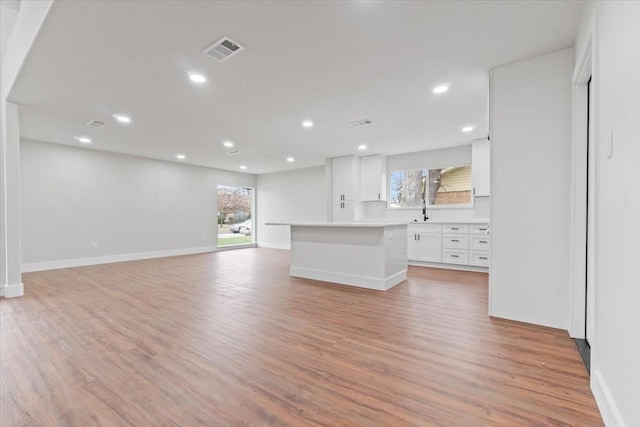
<point x="370" y="255"/>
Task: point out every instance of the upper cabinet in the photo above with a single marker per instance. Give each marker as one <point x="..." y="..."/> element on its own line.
<point x="373" y="178"/>
<point x="480" y="159"/>
<point x="345" y="172"/>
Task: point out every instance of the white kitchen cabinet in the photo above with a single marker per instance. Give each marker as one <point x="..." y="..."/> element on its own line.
<point x="424" y="242"/>
<point x="451" y="244"/>
<point x="345" y="189"/>
<point x="455" y="228"/>
<point x="455" y="241"/>
<point x="479" y="258"/>
<point x="455" y="256"/>
<point x="345" y="174"/>
<point x="373" y="178"/>
<point x="480" y="167"/>
<point x="343" y="211"/>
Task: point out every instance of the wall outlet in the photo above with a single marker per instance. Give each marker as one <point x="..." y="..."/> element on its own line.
<point x="94" y="245"/>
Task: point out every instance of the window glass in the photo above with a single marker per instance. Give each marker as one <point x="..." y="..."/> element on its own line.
<point x="435" y="187"/>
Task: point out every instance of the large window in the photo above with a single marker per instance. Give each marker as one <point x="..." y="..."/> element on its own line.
<point x="449" y="186"/>
<point x="235" y="223"/>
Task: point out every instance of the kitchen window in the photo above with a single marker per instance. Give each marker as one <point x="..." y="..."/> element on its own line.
<point x="436" y="187"/>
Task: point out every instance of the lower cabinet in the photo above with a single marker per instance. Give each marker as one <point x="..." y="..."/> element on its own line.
<point x="425" y="244"/>
<point x="458" y="244"/>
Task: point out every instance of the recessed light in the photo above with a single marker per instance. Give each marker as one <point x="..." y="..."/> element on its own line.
<point x="307" y="124"/>
<point x="290" y="159"/>
<point x="83" y="139"/>
<point x="243" y="167"/>
<point x="228" y="144"/>
<point x="121" y="118"/>
<point x="362" y="147"/>
<point x="180" y="156"/>
<point x="441" y="88"/>
<point x="467" y="128"/>
<point x="197" y="78"/>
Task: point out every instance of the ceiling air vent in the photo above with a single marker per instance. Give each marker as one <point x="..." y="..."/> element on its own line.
<point x="361" y="123"/>
<point x="223" y="49"/>
<point x="231" y="152"/>
<point x="95" y="123"/>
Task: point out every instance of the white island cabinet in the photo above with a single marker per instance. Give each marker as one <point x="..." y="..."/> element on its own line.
<point x="363" y="254"/>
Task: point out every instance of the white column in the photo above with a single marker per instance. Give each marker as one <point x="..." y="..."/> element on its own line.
<point x="11" y="277"/>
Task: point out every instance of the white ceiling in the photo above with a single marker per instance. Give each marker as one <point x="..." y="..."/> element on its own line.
<point x="331" y="62"/>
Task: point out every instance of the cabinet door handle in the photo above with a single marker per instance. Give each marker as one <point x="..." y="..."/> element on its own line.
<point x="482" y="229"/>
<point x="418" y="237"/>
<point x="453" y="228"/>
<point x="482" y="257"/>
<point x="415" y="237"/>
<point x="454" y="240"/>
<point x="483" y="241"/>
<point x="378" y="196"/>
<point x="455" y="256"/>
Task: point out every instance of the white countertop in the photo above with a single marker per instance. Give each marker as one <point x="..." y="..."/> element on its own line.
<point x="341" y="224"/>
<point x="468" y="221"/>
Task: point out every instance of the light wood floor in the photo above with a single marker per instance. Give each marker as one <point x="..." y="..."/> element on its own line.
<point x="230" y="339"/>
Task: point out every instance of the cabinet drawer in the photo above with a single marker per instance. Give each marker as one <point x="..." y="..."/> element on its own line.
<point x="479" y="258"/>
<point x="455" y="228"/>
<point x="418" y="227"/>
<point x="455" y="256"/>
<point x="455" y="241"/>
<point x="479" y="242"/>
<point x="478" y="228"/>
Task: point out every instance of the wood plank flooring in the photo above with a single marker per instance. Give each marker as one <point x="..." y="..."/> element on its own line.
<point x="228" y="339"/>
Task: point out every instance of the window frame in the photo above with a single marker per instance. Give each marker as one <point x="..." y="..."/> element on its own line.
<point x="469" y="205"/>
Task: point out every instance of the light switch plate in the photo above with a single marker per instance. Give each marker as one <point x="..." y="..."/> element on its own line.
<point x="608" y="149"/>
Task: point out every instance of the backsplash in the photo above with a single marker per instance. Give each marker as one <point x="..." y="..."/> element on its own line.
<point x="379" y="211"/>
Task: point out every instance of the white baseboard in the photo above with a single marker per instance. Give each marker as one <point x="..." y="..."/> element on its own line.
<point x="350" y="279"/>
<point x="445" y="266"/>
<point x="286" y="246"/>
<point x="606" y="404"/>
<point x="12" y="291"/>
<point x="79" y="262"/>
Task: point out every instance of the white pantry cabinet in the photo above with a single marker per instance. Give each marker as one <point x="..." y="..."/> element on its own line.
<point x="480" y="167"/>
<point x="345" y="174"/>
<point x="343" y="211"/>
<point x="373" y="178"/>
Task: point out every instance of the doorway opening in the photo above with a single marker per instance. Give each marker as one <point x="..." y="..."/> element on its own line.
<point x="584" y="345"/>
<point x="235" y="216"/>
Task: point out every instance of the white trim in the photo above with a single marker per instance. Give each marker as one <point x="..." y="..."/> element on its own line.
<point x="12" y="291"/>
<point x="445" y="266"/>
<point x="232" y="247"/>
<point x="582" y="72"/>
<point x="285" y="246"/>
<point x="606" y="403"/>
<point x="79" y="262"/>
<point x="350" y="279"/>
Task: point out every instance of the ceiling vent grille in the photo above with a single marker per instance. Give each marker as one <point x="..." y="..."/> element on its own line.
<point x="223" y="49"/>
<point x="362" y="122"/>
<point x="95" y="123"/>
<point x="231" y="152"/>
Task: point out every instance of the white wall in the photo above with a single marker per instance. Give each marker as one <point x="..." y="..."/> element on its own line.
<point x="453" y="156"/>
<point x="530" y="189"/>
<point x="615" y="351"/>
<point x="297" y="195"/>
<point x="24" y="29"/>
<point x="72" y="197"/>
